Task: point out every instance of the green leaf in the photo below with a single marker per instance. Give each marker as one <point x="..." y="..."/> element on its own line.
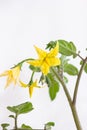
<point x="26" y="127"/>
<point x="53" y="91"/>
<point x="73" y="48"/>
<point x="4" y="125"/>
<point x="35" y="69"/>
<point x="22" y="108"/>
<point x="67" y="48"/>
<point x="70" y="69"/>
<point x="53" y="86"/>
<point x="49" y="125"/>
<point x="12" y="109"/>
<point x="12" y="116"/>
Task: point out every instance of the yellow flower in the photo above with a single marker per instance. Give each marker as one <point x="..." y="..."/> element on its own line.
<point x="46" y="60"/>
<point x="12" y="75"/>
<point x="31" y="87"/>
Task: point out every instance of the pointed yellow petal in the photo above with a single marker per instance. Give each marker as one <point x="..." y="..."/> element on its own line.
<point x="54" y="51"/>
<point x="23" y="84"/>
<point x="9" y="80"/>
<point x="34" y="84"/>
<point x="41" y="53"/>
<point x="45" y="68"/>
<point x="35" y="62"/>
<point x="31" y="90"/>
<point x="16" y="72"/>
<point x="6" y="73"/>
<point x="53" y="61"/>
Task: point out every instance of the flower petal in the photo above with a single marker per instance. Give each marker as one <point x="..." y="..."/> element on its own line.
<point x="35" y="62"/>
<point x="22" y="84"/>
<point x="41" y="53"/>
<point x="9" y="80"/>
<point x="16" y="72"/>
<point x="45" y="68"/>
<point x="53" y="61"/>
<point x="31" y="90"/>
<point x="6" y="73"/>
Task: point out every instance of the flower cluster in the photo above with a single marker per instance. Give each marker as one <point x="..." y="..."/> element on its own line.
<point x="44" y="62"/>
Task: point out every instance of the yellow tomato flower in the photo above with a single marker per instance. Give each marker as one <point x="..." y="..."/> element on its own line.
<point x="12" y="75"/>
<point x="46" y="60"/>
<point x="31" y="87"/>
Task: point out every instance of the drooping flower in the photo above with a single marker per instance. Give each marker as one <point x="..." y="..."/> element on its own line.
<point x="46" y="59"/>
<point x="12" y="75"/>
<point x="31" y="87"/>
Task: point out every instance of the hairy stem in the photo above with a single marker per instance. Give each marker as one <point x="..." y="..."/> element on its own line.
<point x="78" y="80"/>
<point x="72" y="106"/>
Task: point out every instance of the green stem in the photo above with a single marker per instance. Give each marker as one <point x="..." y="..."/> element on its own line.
<point x="31" y="79"/>
<point x="80" y="57"/>
<point x="75" y="117"/>
<point x="72" y="106"/>
<point x="16" y="122"/>
<point x="78" y="80"/>
<point x="21" y="62"/>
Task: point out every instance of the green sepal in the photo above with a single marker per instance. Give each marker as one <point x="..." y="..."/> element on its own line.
<point x="35" y="69"/>
<point x="51" y="45"/>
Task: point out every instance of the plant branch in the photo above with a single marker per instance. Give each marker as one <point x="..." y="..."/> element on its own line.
<point x="78" y="80"/>
<point x="80" y="57"/>
<point x="72" y="106"/>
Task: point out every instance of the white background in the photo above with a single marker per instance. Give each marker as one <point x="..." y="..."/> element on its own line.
<point x="24" y="23"/>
